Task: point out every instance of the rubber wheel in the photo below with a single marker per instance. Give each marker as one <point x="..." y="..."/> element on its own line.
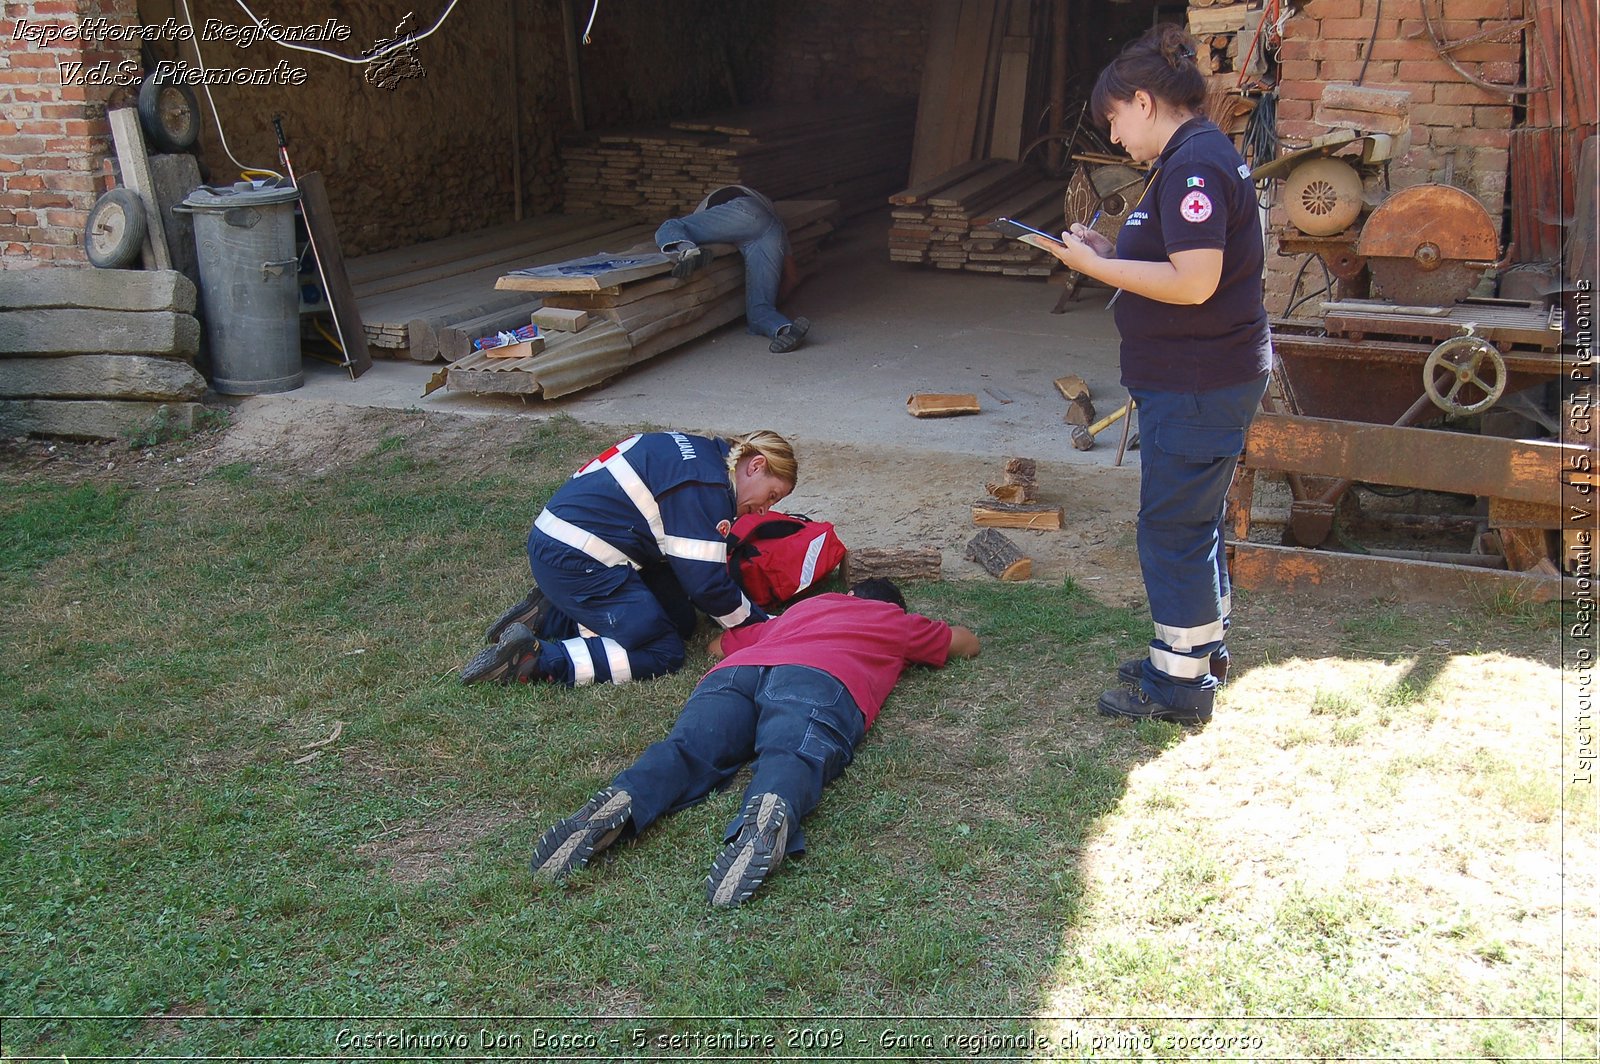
<point x="1322" y="197"/>
<point x="114" y="234"/>
<point x="170" y="115"/>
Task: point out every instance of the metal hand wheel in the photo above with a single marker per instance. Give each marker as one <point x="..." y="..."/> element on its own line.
<point x="1468" y="363"/>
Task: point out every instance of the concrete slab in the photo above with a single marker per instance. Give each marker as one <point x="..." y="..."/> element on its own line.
<point x="880" y="332"/>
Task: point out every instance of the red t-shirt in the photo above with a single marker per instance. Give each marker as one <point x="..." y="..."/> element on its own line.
<point x="863" y="643"/>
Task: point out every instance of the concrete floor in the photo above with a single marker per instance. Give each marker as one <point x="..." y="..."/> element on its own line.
<point x="881" y="331"/>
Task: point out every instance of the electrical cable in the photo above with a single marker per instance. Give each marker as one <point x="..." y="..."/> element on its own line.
<point x="1377" y="13"/>
<point x="215" y="114"/>
<point x="594" y="11"/>
<point x="394" y="46"/>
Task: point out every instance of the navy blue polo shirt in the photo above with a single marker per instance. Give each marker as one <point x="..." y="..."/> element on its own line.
<point x="1199" y="196"/>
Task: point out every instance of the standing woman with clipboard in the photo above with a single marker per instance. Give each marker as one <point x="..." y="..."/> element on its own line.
<point x="1188" y="265"/>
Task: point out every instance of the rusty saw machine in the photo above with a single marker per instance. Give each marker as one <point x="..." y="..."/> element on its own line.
<point x="1406" y="271"/>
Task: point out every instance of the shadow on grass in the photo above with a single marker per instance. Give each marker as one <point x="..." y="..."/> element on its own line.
<point x="184" y="847"/>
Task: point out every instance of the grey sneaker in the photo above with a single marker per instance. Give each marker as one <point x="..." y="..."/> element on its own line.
<point x="514" y="657"/>
<point x="570" y="844"/>
<point x="1131" y="703"/>
<point x="530" y="611"/>
<point x="753" y="854"/>
<point x="790" y="336"/>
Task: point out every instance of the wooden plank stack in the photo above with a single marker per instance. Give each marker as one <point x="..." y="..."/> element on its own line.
<point x="944" y="222"/>
<point x="97" y="354"/>
<point x="635" y="311"/>
<point x="982" y="83"/>
<point x="855" y="151"/>
<point x="430" y="301"/>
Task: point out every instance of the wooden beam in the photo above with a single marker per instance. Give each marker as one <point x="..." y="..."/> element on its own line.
<point x="134" y="162"/>
<point x="1457" y="462"/>
<point x="1259" y="566"/>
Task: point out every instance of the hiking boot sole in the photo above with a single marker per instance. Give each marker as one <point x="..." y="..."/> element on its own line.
<point x="570" y="844"/>
<point x="501" y="663"/>
<point x="746" y="862"/>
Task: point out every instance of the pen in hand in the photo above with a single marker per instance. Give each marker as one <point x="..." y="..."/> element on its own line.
<point x="1098" y="211"/>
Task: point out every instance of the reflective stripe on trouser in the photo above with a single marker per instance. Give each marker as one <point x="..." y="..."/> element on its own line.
<point x="605" y="624"/>
<point x="1189" y="446"/>
<point x="797" y="726"/>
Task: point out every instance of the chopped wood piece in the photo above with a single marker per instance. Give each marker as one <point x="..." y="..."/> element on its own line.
<point x="1020" y="484"/>
<point x="999" y="556"/>
<point x="518" y="350"/>
<point x="891" y="563"/>
<point x="557" y="319"/>
<point x="1080" y="411"/>
<point x="987" y="513"/>
<point x="931" y="404"/>
<point x="1072" y="386"/>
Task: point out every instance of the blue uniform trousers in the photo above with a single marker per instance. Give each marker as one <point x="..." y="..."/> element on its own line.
<point x="606" y="623"/>
<point x="1189" y="446"/>
<point x="762" y="240"/>
<point x="797" y="724"/>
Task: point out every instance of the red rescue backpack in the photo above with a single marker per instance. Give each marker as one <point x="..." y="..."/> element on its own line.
<point x="777" y="557"/>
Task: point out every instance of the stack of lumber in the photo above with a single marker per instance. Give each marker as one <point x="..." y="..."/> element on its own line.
<point x="983" y="83"/>
<point x="854" y="151"/>
<point x="626" y="308"/>
<point x="945" y="221"/>
<point x="97" y="354"/>
<point x="430" y="301"/>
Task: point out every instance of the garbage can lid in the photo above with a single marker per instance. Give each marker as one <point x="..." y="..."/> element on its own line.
<point x="240" y="194"/>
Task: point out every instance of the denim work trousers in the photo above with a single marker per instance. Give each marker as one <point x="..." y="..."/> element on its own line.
<point x="1189" y="447"/>
<point x="606" y="623"/>
<point x="799" y="725"/>
<point x="761" y="239"/>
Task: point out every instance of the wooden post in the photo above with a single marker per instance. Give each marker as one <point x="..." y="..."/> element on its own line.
<point x="134" y="163"/>
<point x="569" y="31"/>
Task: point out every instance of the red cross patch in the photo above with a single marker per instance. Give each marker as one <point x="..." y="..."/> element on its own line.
<point x="1196" y="206"/>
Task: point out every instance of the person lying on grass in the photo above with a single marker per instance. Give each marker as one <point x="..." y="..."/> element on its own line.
<point x="793" y="696"/>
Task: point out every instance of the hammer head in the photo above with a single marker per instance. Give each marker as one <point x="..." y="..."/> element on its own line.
<point x="1082" y="438"/>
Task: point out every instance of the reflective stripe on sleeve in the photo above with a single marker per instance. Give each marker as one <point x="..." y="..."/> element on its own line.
<point x="695" y="550"/>
<point x="582" y="661"/>
<point x="1180" y="666"/>
<point x="1184" y="639"/>
<point x="738" y="616"/>
<point x="586" y="542"/>
<point x="634" y="487"/>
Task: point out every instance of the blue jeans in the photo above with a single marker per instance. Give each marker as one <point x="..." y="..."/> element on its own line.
<point x="798" y="725"/>
<point x="637" y="621"/>
<point x="1189" y="445"/>
<point x="761" y="239"/>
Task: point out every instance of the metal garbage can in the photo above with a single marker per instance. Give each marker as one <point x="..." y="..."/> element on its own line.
<point x="249" y="286"/>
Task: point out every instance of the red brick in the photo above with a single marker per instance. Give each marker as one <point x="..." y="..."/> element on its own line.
<point x="1399" y="48"/>
<point x="14" y="232"/>
<point x="1483" y="138"/>
<point x="24" y="183"/>
<point x="1297" y="71"/>
<point x="1501" y="73"/>
<point x="1333" y="9"/>
<point x="1491" y="117"/>
<point x="1465" y="92"/>
<point x="1417" y="70"/>
<point x="42" y="200"/>
<point x="1432" y="114"/>
<point x="1348" y="70"/>
<point x="1492" y="10"/>
<point x="36" y="60"/>
<point x="1296" y="48"/>
<point x="1300" y="90"/>
<point x="69" y="219"/>
<point x="1294" y="110"/>
<point x="1346" y="29"/>
<point x="1300" y="131"/>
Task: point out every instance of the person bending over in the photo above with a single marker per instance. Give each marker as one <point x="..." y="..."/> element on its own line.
<point x="624" y="553"/>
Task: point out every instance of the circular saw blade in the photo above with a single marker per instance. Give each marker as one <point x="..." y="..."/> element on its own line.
<point x="1403" y="281"/>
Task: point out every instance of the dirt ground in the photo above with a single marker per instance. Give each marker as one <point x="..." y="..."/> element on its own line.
<point x="877" y="497"/>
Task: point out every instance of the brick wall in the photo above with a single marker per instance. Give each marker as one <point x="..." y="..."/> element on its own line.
<point x="54" y="135"/>
<point x="1460" y="133"/>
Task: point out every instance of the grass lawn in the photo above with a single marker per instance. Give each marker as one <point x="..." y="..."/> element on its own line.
<point x="1377" y="850"/>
